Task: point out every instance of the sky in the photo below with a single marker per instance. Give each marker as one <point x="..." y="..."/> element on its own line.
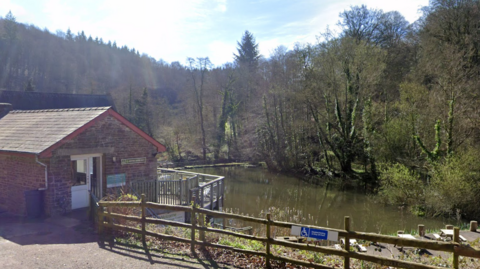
<point x="176" y="29"/>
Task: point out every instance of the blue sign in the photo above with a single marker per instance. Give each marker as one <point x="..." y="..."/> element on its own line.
<point x="314" y="233"/>
<point x="318" y="234"/>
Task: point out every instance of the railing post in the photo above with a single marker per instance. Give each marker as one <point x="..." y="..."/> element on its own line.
<point x="456" y="239"/>
<point x="143" y="220"/>
<point x="156" y="191"/>
<point x="202" y="193"/>
<point x="267" y="251"/>
<point x="193" y="221"/>
<point x="346" y="263"/>
<point x="218" y="195"/>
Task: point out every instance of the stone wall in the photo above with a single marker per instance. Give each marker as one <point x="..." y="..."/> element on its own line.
<point x="18" y="173"/>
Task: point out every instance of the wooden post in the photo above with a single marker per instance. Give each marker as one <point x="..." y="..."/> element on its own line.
<point x="267" y="251"/>
<point x="421" y="230"/>
<point x="224" y="220"/>
<point x="193" y="221"/>
<point x="456" y="239"/>
<point x="143" y="220"/>
<point x="473" y="226"/>
<point x="101" y="235"/>
<point x="202" y="224"/>
<point x="218" y="195"/>
<point x="346" y="263"/>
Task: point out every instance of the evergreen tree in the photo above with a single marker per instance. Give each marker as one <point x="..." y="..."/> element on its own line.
<point x="10" y="26"/>
<point x="142" y="119"/>
<point x="29" y="87"/>
<point x="69" y="35"/>
<point x="247" y="50"/>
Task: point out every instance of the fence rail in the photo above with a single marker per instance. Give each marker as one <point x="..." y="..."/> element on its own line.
<point x="106" y="220"/>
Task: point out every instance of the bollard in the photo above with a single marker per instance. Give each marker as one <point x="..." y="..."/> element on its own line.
<point x="421" y="230"/>
<point x="473" y="226"/>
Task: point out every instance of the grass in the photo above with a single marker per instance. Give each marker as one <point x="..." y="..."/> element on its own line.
<point x="232" y="258"/>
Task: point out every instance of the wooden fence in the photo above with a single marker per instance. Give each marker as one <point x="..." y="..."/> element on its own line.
<point x="106" y="220"/>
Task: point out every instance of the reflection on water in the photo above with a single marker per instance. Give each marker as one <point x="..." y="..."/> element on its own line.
<point x="253" y="191"/>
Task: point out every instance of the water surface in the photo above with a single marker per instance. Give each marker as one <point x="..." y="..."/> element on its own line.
<point x="254" y="191"/>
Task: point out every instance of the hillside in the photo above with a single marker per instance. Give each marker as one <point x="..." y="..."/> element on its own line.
<point x="391" y="106"/>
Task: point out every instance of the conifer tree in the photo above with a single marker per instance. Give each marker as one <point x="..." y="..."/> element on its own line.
<point x="247" y="50"/>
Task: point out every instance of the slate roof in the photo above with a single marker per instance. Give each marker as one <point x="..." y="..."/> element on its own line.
<point x="22" y="100"/>
<point x="34" y="131"/>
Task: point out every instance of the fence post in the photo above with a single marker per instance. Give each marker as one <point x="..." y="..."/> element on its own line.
<point x="346" y="263"/>
<point x="267" y="251"/>
<point x="143" y="220"/>
<point x="193" y="221"/>
<point x="101" y="234"/>
<point x="456" y="239"/>
<point x="202" y="224"/>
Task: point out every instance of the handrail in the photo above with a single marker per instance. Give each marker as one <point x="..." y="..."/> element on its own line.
<point x="95" y="199"/>
<point x="186" y="172"/>
<point x="151" y="212"/>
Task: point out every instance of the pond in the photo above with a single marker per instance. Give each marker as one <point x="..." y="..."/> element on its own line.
<point x="254" y="191"/>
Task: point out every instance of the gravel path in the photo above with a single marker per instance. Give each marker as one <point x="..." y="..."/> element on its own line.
<point x="69" y="242"/>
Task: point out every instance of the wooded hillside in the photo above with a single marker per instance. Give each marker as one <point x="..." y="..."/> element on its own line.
<point x="392" y="104"/>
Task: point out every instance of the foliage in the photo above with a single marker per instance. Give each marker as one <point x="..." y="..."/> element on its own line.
<point x="454" y="185"/>
<point x="400" y="185"/>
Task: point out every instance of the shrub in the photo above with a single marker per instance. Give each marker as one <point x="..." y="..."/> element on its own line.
<point x="454" y="185"/>
<point x="400" y="185"/>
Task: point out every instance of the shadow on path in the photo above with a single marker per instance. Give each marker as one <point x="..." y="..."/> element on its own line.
<point x="71" y="228"/>
<point x="157" y="256"/>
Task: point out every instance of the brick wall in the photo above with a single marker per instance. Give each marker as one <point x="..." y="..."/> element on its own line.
<point x="109" y="137"/>
<point x="18" y="174"/>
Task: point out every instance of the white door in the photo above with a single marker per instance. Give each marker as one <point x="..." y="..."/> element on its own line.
<point x="86" y="170"/>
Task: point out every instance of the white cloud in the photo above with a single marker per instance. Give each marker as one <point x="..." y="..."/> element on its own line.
<point x="17" y="10"/>
<point x="221" y="52"/>
<point x="408" y="8"/>
<point x="222" y="6"/>
<point x="173" y="30"/>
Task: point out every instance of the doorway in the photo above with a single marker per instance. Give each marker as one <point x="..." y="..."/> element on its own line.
<point x="86" y="176"/>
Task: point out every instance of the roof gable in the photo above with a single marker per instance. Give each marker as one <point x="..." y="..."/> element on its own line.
<point x="42" y="131"/>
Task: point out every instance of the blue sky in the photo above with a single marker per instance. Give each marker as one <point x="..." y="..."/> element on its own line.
<point x="176" y="29"/>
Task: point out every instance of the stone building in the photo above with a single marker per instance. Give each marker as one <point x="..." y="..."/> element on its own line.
<point x="66" y="154"/>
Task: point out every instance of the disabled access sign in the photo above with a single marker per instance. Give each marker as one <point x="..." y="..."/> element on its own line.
<point x="316" y="234"/>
